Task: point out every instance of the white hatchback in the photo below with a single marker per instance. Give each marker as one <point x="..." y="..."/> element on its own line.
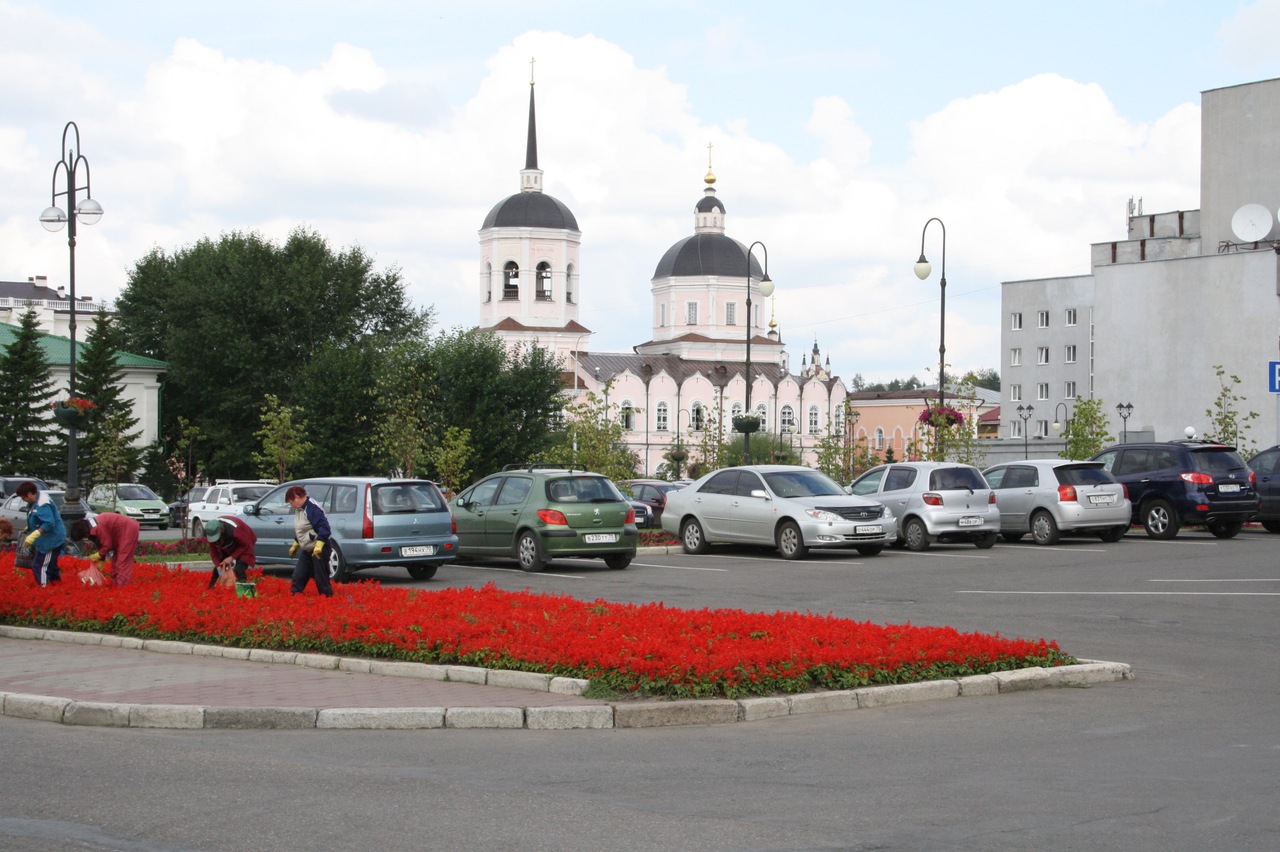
<point x="1049" y="497"/>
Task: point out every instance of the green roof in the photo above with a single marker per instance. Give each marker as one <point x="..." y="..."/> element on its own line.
<point x="57" y="350"/>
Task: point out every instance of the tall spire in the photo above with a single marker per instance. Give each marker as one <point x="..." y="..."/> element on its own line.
<point x="531" y="175"/>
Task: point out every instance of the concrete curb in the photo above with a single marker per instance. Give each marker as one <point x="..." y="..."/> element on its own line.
<point x="625" y="714"/>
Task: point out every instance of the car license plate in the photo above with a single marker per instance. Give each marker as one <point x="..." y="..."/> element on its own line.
<point x="600" y="538"/>
<point x="419" y="550"/>
<point x="971" y="522"/>
<point x="1102" y="499"/>
<point x="868" y="529"/>
<point x="1226" y="488"/>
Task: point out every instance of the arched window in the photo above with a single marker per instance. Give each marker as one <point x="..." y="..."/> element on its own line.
<point x="879" y="438"/>
<point x="788" y="419"/>
<point x="510" y="281"/>
<point x="488" y="282"/>
<point x="838" y="421"/>
<point x="813" y="420"/>
<point x="570" y="284"/>
<point x="735" y="410"/>
<point x="699" y="417"/>
<point x="761" y="413"/>
<point x="661" y="417"/>
<point x="543" y="292"/>
<point x="627" y="416"/>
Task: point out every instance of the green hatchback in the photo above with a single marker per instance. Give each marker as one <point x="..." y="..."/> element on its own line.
<point x="535" y="513"/>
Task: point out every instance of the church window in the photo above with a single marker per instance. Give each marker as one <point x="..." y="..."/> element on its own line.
<point x="788" y="419"/>
<point x="661" y="417"/>
<point x="662" y="316"/>
<point x="731" y="313"/>
<point x="736" y="410"/>
<point x="813" y="420"/>
<point x="628" y="416"/>
<point x="879" y="438"/>
<point x="543" y="293"/>
<point x="761" y="413"/>
<point x="510" y="281"/>
<point x="699" y="417"/>
<point x="570" y="285"/>
<point x="691" y="313"/>
<point x="488" y="282"/>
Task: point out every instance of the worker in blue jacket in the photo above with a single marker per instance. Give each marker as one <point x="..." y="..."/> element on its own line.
<point x="45" y="533"/>
<point x="310" y="538"/>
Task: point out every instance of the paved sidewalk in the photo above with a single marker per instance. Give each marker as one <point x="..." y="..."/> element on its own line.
<point x="92" y="679"/>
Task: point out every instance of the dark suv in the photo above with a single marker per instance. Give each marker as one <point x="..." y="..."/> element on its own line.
<point x="1266" y="466"/>
<point x="1184" y="482"/>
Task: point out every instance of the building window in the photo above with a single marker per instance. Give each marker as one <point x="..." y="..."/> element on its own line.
<point x="691" y="313"/>
<point x="661" y="417"/>
<point x="1069" y="390"/>
<point x="761" y="413"/>
<point x="627" y="416"/>
<point x="699" y="417"/>
<point x="1015" y="357"/>
<point x="788" y="419"/>
<point x="1015" y="429"/>
<point x="1015" y="393"/>
<point x="543" y="291"/>
<point x="488" y="282"/>
<point x="731" y="313"/>
<point x="736" y="410"/>
<point x="813" y="420"/>
<point x="510" y="281"/>
<point x="1042" y="355"/>
<point x="1071" y="317"/>
<point x="1042" y="428"/>
<point x="662" y="316"/>
<point x="879" y="438"/>
<point x="1043" y="319"/>
<point x="1042" y="391"/>
<point x="1069" y="354"/>
<point x="1015" y="322"/>
<point x="570" y="283"/>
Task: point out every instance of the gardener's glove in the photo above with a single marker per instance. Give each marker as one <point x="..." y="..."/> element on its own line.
<point x="31" y="539"/>
<point x="319" y="547"/>
<point x="95" y="557"/>
<point x="293" y="549"/>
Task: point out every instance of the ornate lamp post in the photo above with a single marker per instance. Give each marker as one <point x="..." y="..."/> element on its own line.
<point x="678" y="455"/>
<point x="1025" y="411"/>
<point x="923" y="268"/>
<point x="1124" y="409"/>
<point x="53" y="218"/>
<point x="1057" y="424"/>
<point x="766" y="290"/>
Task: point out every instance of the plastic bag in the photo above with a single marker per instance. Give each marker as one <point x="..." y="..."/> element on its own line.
<point x="22" y="558"/>
<point x="91" y="576"/>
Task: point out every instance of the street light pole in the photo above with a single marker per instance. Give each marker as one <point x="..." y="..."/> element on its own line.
<point x="53" y="218"/>
<point x="923" y="268"/>
<point x="1025" y="411"/>
<point x="766" y="290"/>
<point x="1124" y="409"/>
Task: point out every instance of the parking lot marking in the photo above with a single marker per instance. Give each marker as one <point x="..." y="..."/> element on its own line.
<point x="1124" y="594"/>
<point x="1222" y="580"/>
<point x="516" y="570"/>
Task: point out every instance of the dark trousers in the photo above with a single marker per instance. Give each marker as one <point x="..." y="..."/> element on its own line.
<point x="238" y="568"/>
<point x="309" y="567"/>
<point x="45" y="566"/>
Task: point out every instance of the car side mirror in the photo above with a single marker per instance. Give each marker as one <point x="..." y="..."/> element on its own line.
<point x="250" y="508"/>
<point x="760" y="492"/>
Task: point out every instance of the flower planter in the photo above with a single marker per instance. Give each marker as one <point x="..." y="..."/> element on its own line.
<point x="746" y="424"/>
<point x="71" y="416"/>
<point x="678" y="456"/>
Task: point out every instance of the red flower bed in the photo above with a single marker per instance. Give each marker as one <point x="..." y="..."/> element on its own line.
<point x="649" y="649"/>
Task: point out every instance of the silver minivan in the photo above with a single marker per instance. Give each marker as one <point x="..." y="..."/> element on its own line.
<point x="942" y="502"/>
<point x="1048" y="497"/>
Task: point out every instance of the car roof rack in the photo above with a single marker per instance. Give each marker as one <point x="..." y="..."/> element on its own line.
<point x="217" y="482"/>
<point x="531" y="466"/>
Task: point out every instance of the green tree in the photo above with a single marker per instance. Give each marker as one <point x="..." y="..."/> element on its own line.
<point x="593" y="438"/>
<point x="113" y="428"/>
<point x="26" y="419"/>
<point x="449" y="458"/>
<point x="399" y="397"/>
<point x="987" y="377"/>
<point x="951" y="433"/>
<point x="1086" y="431"/>
<point x="283" y="444"/>
<point x="842" y="455"/>
<point x="1226" y="423"/>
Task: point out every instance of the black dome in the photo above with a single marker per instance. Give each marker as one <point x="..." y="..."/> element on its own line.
<point x="708" y="203"/>
<point x="530" y="210"/>
<point x="706" y="254"/>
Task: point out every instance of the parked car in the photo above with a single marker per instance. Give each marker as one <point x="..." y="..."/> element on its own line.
<point x="651" y="492"/>
<point x="178" y="508"/>
<point x="132" y="500"/>
<point x="1266" y="467"/>
<point x="1180" y="483"/>
<point x="788" y="507"/>
<point x="15" y="509"/>
<point x="644" y="512"/>
<point x="9" y="484"/>
<point x="1051" y="497"/>
<point x="535" y="513"/>
<point x="225" y="497"/>
<point x="375" y="521"/>
<point x="942" y="502"/>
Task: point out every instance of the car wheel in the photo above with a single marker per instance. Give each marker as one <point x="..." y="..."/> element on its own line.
<point x="1113" y="534"/>
<point x="529" y="552"/>
<point x="692" y="538"/>
<point x="1226" y="529"/>
<point x="422" y="572"/>
<point x="791" y="541"/>
<point x="618" y="561"/>
<point x="1044" y="529"/>
<point x="870" y="549"/>
<point x="987" y="541"/>
<point x="1159" y="520"/>
<point x="197" y="528"/>
<point x="897" y="544"/>
<point x="338" y="570"/>
<point x="916" y="535"/>
<point x="163" y="527"/>
<point x="1013" y="536"/>
<point x="1271" y="526"/>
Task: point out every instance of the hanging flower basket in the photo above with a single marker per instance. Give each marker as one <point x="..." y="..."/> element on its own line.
<point x="944" y="415"/>
<point x="678" y="456"/>
<point x="746" y="424"/>
<point x="73" y="412"/>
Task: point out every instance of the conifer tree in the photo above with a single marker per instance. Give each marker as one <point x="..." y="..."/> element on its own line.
<point x="26" y="418"/>
<point x="99" y="378"/>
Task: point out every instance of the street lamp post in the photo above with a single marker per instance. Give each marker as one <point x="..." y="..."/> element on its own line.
<point x="1124" y="409"/>
<point x="923" y="268"/>
<point x="679" y="455"/>
<point x="1057" y="424"/>
<point x="53" y="218"/>
<point x="766" y="290"/>
<point x="1025" y="411"/>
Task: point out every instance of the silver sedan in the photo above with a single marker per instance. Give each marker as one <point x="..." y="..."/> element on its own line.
<point x="789" y="507"/>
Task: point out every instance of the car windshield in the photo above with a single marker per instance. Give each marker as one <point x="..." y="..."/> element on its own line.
<point x="1218" y="460"/>
<point x="1083" y="475"/>
<point x="956" y="479"/>
<point x="583" y="489"/>
<point x="249" y="493"/>
<point x="803" y="483"/>
<point x="135" y="492"/>
<point x="407" y="498"/>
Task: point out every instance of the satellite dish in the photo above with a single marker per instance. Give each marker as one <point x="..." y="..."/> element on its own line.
<point x="1251" y="223"/>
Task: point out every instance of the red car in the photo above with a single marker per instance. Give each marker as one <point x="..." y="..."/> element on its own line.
<point x="651" y="492"/>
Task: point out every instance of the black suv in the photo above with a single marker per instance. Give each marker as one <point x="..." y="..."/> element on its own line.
<point x="1266" y="466"/>
<point x="1184" y="482"/>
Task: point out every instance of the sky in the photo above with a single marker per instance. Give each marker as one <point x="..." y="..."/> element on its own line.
<point x="838" y="129"/>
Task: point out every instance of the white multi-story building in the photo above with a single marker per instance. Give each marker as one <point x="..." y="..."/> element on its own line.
<point x="1184" y="292"/>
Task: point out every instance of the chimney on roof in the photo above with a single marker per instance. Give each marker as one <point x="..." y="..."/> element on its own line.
<point x="62" y="292"/>
<point x="39" y="280"/>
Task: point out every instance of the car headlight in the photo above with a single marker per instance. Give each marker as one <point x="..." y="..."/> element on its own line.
<point x="823" y="515"/>
<point x="885" y="512"/>
<point x="130" y="511"/>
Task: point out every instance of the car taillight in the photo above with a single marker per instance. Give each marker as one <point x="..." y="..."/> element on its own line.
<point x="1253" y="478"/>
<point x="453" y="524"/>
<point x="555" y="516"/>
<point x="366" y="530"/>
<point x="631" y="516"/>
<point x="991" y="498"/>
<point x="1198" y="478"/>
<point x="931" y="499"/>
<point x="1126" y="490"/>
<point x="1067" y="494"/>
